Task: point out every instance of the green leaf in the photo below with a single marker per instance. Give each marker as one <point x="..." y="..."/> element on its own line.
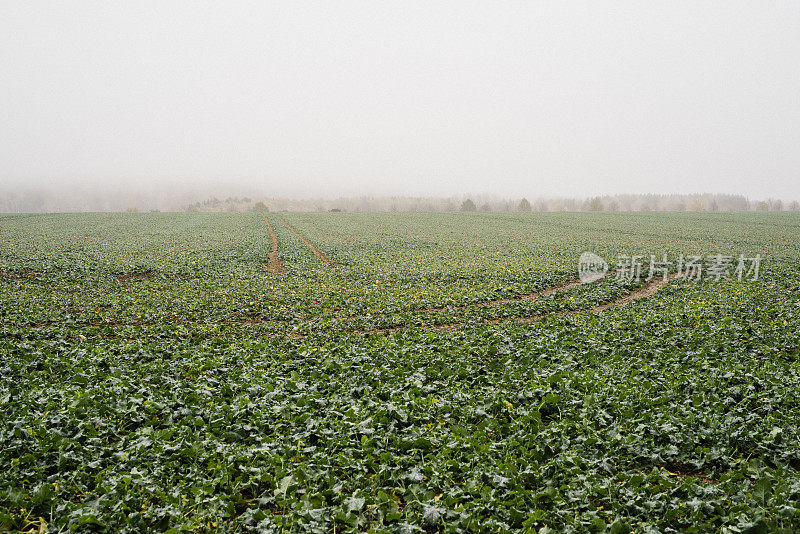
<point x="620" y="527"/>
<point x="355" y="504"/>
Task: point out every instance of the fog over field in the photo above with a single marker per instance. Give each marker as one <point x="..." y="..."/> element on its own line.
<point x="183" y="101"/>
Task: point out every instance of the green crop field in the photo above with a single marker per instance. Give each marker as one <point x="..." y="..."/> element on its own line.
<point x="409" y="373"/>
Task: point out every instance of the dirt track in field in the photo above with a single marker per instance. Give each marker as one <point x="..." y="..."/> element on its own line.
<point x="562" y="286"/>
<point x="317" y="252"/>
<point x="647" y="290"/>
<point x="24" y="274"/>
<point x="275" y="266"/>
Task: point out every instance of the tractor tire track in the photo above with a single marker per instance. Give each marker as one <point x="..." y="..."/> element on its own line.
<point x="561" y="286"/>
<point x="275" y="266"/>
<point x="647" y="290"/>
<point x="317" y="252"/>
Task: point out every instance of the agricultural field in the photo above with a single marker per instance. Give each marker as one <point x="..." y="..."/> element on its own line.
<point x="408" y="372"/>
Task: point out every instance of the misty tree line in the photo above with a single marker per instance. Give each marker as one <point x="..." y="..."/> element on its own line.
<point x="698" y="202"/>
<point x="705" y="202"/>
<point x="16" y="201"/>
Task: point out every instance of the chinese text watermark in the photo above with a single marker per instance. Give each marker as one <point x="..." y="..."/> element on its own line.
<point x="633" y="267"/>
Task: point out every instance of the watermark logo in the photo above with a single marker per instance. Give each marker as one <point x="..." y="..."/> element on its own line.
<point x="716" y="267"/>
<point x="591" y="267"/>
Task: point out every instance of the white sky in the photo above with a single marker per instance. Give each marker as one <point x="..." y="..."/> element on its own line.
<point x="439" y="98"/>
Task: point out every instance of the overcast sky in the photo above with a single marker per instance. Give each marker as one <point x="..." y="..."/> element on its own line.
<point x="441" y="98"/>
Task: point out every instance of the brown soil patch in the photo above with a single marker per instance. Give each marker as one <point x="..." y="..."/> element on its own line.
<point x="275" y="266"/>
<point x="317" y="252"/>
<point x="23" y="274"/>
<point x="687" y="473"/>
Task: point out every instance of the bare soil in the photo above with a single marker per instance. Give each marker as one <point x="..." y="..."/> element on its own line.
<point x="24" y="274"/>
<point x="275" y="266"/>
<point x="317" y="252"/>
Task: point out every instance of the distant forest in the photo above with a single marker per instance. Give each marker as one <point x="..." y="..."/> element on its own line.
<point x="39" y="201"/>
<point x="699" y="202"/>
